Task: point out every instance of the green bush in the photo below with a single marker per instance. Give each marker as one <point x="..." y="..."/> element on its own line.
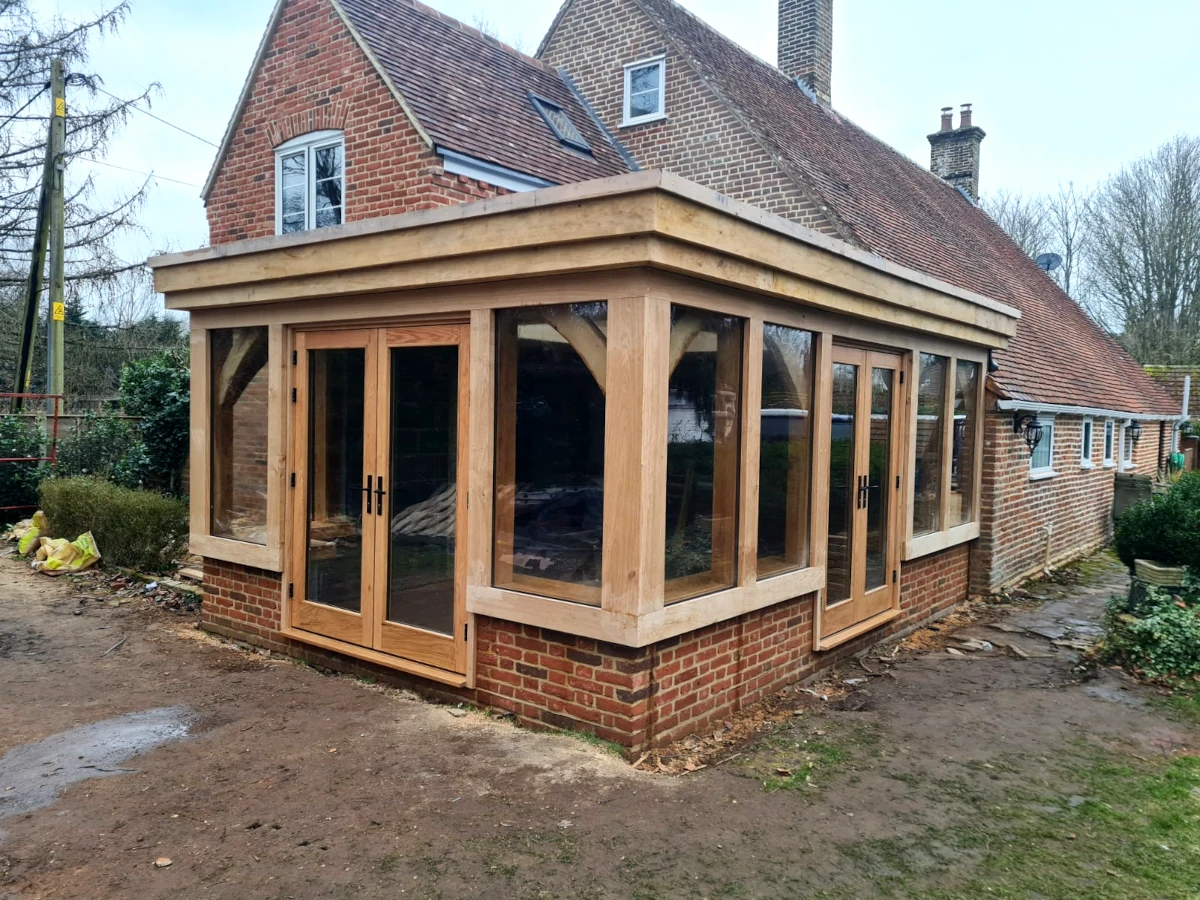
<point x="158" y="389"/>
<point x="139" y="529"/>
<point x="101" y="445"/>
<point x="1155" y="633"/>
<point x="1164" y="529"/>
<point x="19" y="481"/>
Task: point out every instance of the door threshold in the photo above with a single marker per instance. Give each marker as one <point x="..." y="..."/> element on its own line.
<point x="408" y="666"/>
<point x="847" y="634"/>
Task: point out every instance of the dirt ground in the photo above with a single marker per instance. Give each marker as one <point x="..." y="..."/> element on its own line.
<point x="262" y="778"/>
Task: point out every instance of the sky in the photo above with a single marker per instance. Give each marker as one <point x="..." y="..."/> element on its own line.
<point x="1067" y="90"/>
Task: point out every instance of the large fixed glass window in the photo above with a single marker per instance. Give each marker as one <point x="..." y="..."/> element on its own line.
<point x="703" y="433"/>
<point x="966" y="440"/>
<point x="550" y="383"/>
<point x="785" y="451"/>
<point x="239" y="397"/>
<point x="931" y="404"/>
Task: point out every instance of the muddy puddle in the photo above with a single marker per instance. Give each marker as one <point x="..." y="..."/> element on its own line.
<point x="31" y="776"/>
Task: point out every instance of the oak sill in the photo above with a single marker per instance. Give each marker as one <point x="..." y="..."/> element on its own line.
<point x="454" y="679"/>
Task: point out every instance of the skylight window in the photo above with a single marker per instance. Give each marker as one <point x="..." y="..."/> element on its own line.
<point x="560" y="123"/>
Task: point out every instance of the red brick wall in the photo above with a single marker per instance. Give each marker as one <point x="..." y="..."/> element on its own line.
<point x="700" y="139"/>
<point x="1076" y="504"/>
<point x="637" y="697"/>
<point x="314" y="77"/>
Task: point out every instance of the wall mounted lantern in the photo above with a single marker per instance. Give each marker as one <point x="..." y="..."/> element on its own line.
<point x="1028" y="427"/>
<point x="1135" y="431"/>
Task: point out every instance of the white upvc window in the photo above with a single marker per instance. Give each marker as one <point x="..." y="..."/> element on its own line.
<point x="1110" y="442"/>
<point x="1127" y="445"/>
<point x="310" y="182"/>
<point x="1085" y="447"/>
<point x="645" y="91"/>
<point x="1041" y="460"/>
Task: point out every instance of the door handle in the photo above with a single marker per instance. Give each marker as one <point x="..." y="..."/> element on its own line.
<point x="367" y="491"/>
<point x="379" y="493"/>
<point x="863" y="490"/>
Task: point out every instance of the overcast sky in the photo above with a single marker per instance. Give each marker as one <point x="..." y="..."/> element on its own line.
<point x="1066" y="89"/>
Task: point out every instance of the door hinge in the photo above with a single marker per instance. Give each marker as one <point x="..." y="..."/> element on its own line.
<point x="293" y="357"/>
<point x="293" y="479"/>
<point x="895" y="576"/>
<point x="293" y="395"/>
<point x="291" y="590"/>
<point x="902" y="376"/>
<point x="897" y="482"/>
<point x="465" y="626"/>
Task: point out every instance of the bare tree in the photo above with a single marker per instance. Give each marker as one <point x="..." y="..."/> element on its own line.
<point x="1068" y="223"/>
<point x="1146" y="254"/>
<point x="27" y="45"/>
<point x="1025" y="218"/>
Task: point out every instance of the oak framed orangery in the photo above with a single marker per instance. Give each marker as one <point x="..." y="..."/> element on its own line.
<point x="595" y="453"/>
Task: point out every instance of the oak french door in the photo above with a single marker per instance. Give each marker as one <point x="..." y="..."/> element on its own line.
<point x="863" y="559"/>
<point x="380" y="439"/>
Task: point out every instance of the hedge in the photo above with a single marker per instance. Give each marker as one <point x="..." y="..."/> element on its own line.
<point x="139" y="529"/>
<point x="1164" y="529"/>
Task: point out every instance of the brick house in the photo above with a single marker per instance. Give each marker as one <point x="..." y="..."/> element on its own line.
<point x="595" y="235"/>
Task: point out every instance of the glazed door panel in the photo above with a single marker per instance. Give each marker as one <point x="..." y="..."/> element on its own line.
<point x="863" y="550"/>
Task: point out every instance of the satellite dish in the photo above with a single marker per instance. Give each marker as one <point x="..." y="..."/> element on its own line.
<point x="1048" y="262"/>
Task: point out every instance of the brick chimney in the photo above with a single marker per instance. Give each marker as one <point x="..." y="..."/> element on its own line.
<point x="806" y="44"/>
<point x="954" y="152"/>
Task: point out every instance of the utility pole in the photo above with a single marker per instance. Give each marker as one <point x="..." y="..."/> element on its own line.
<point x="58" y="311"/>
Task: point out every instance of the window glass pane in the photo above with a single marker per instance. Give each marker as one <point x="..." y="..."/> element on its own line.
<point x="550" y="378"/>
<point x="1085" y="451"/>
<point x="1043" y="454"/>
<point x="1108" y="441"/>
<point x="785" y="451"/>
<point x="238" y="416"/>
<point x="879" y="476"/>
<point x="329" y="163"/>
<point x="293" y="224"/>
<point x="962" y="463"/>
<point x="931" y="402"/>
<point x="645" y="90"/>
<point x="329" y="216"/>
<point x="292" y="168"/>
<point x="842" y="495"/>
<point x="294" y="203"/>
<point x="704" y="401"/>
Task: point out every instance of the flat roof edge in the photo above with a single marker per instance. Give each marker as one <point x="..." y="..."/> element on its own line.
<point x="615" y="186"/>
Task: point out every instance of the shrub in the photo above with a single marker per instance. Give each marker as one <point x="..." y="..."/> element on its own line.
<point x="99" y="445"/>
<point x="1155" y="633"/>
<point x="158" y="389"/>
<point x="136" y="528"/>
<point x="19" y="481"/>
<point x="1165" y="529"/>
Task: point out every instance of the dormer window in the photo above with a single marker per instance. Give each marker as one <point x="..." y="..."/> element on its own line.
<point x="560" y="123"/>
<point x="645" y="91"/>
<point x="310" y="182"/>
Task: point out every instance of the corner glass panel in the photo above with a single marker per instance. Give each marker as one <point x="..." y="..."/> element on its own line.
<point x="931" y="403"/>
<point x="703" y="434"/>
<point x="550" y="381"/>
<point x="879" y="475"/>
<point x="423" y="487"/>
<point x="336" y="392"/>
<point x="238" y="416"/>
<point x="966" y="422"/>
<point x="842" y="491"/>
<point x="785" y="450"/>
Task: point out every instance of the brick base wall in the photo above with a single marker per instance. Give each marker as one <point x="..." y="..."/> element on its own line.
<point x="636" y="697"/>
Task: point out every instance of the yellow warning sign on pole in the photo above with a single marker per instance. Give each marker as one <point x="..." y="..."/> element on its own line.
<point x="60" y="107"/>
<point x="60" y="312"/>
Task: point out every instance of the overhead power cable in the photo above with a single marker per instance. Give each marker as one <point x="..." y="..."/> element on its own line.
<point x="159" y="119"/>
<point x="101" y="162"/>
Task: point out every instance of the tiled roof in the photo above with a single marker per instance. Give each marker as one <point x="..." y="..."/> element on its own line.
<point x="887" y="204"/>
<point x="470" y="92"/>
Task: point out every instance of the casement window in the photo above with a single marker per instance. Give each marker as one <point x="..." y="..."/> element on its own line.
<point x="933" y="374"/>
<point x="1127" y="446"/>
<point x="645" y="91"/>
<point x="1041" y="461"/>
<point x="1085" y="449"/>
<point x="310" y="182"/>
<point x="1109" y="442"/>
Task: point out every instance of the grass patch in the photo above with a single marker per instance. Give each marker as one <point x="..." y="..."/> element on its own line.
<point x="598" y="742"/>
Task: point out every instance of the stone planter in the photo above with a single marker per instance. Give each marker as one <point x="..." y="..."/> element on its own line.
<point x="1158" y="575"/>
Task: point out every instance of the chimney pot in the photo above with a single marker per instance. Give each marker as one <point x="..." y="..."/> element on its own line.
<point x="965" y="116"/>
<point x="806" y="44"/>
<point x="947" y="118"/>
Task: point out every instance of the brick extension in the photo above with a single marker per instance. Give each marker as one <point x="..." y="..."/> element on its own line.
<point x="636" y="697"/>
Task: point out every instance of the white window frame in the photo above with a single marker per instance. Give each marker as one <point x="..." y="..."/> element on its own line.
<point x="308" y="143"/>
<point x="1087" y="443"/>
<point x="1127" y="462"/>
<point x="661" y="113"/>
<point x="1110" y="443"/>
<point x="1047" y="471"/>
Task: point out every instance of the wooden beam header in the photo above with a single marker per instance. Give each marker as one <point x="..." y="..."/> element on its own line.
<point x="649" y="219"/>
